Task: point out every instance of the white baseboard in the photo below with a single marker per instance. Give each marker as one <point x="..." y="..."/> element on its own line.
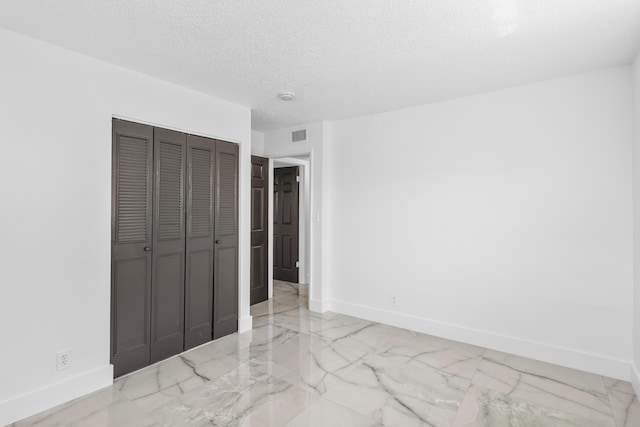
<point x="635" y="379"/>
<point x="318" y="306"/>
<point x="571" y="358"/>
<point x="47" y="397"/>
<point x="245" y="324"/>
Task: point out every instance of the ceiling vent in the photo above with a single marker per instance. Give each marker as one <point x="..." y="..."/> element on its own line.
<point x="299" y="135"/>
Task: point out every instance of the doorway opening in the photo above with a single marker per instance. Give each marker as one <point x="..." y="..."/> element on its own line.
<point x="290" y="213"/>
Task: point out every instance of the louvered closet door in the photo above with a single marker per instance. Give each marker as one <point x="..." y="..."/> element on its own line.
<point x="200" y="241"/>
<point x="131" y="244"/>
<point x="167" y="289"/>
<point x="225" y="310"/>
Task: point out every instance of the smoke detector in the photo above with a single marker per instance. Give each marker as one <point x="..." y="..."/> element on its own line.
<point x="285" y="96"/>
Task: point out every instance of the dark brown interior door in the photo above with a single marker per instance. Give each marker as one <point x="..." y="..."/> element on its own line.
<point x="285" y="224"/>
<point x="131" y="231"/>
<point x="259" y="228"/>
<point x="225" y="297"/>
<point x="200" y="241"/>
<point x="167" y="288"/>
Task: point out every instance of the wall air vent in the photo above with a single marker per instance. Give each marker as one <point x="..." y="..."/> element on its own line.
<point x="299" y="135"/>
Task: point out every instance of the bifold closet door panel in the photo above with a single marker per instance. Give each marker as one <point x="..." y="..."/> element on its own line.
<point x="225" y="310"/>
<point x="200" y="240"/>
<point x="167" y="288"/>
<point x="131" y="234"/>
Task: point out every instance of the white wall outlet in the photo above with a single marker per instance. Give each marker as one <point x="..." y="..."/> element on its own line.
<point x="63" y="359"/>
<point x="393" y="300"/>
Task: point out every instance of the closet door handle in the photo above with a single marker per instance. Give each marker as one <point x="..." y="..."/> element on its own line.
<point x="218" y="242"/>
<point x="147" y="248"/>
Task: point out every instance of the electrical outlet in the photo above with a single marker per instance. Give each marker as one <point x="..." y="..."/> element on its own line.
<point x="393" y="300"/>
<point x="63" y="359"/>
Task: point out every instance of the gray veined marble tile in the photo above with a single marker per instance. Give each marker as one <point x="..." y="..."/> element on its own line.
<point x="105" y="408"/>
<point x="488" y="408"/>
<point x="396" y="393"/>
<point x="337" y="329"/>
<point x="263" y="309"/>
<point x="245" y="396"/>
<point x="160" y="383"/>
<point x="251" y="344"/>
<point x="280" y="407"/>
<point x="287" y="353"/>
<point x="318" y="365"/>
<point x="619" y="385"/>
<point x="624" y="402"/>
<point x="299" y="368"/>
<point x="288" y="310"/>
<point x="268" y="366"/>
<point x="285" y="303"/>
<point x="324" y="413"/>
<point x="282" y="288"/>
<point x="625" y="406"/>
<point x="307" y="353"/>
<point x="448" y="356"/>
<point x="563" y="389"/>
<point x="369" y="336"/>
<point x="266" y="311"/>
<point x="299" y="321"/>
<point x="262" y="320"/>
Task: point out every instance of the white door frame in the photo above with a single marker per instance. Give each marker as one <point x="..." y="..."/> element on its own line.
<point x="304" y="215"/>
<point x="317" y="267"/>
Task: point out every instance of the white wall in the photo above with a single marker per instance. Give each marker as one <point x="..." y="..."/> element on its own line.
<point x="502" y="219"/>
<point x="55" y="184"/>
<point x="635" y="372"/>
<point x="257" y="143"/>
<point x="277" y="143"/>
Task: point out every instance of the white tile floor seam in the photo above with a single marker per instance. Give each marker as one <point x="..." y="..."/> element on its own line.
<point x="297" y="368"/>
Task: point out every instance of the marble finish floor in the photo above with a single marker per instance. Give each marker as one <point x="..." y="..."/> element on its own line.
<point x="297" y="368"/>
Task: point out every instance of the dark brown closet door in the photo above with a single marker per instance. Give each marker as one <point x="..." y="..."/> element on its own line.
<point x="131" y="231"/>
<point x="167" y="288"/>
<point x="285" y="224"/>
<point x="225" y="298"/>
<point x="200" y="241"/>
<point x="259" y="228"/>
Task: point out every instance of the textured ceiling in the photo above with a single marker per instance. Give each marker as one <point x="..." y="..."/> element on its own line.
<point x="341" y="58"/>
